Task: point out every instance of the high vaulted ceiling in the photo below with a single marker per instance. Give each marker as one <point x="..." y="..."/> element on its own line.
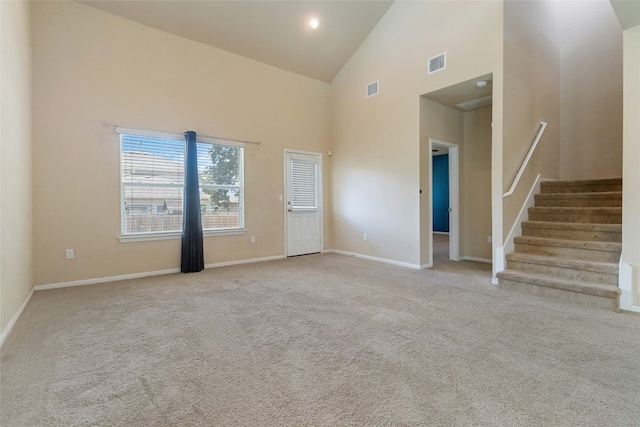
<point x="273" y="32"/>
<point x="628" y="12"/>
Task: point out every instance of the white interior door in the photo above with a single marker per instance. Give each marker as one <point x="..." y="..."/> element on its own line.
<point x="303" y="204"/>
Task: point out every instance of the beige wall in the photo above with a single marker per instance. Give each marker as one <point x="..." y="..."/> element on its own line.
<point x="631" y="171"/>
<point x="590" y="42"/>
<point x="16" y="238"/>
<point x="91" y="67"/>
<point x="376" y="141"/>
<point x="531" y="95"/>
<point x="476" y="184"/>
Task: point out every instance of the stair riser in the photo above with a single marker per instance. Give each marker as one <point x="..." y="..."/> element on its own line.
<point x="579" y="203"/>
<point x="571" y="253"/>
<point x="594" y="188"/>
<point x="576" y="217"/>
<point x="584" y="300"/>
<point x="593" y="216"/>
<point x="589" y="236"/>
<point x="566" y="273"/>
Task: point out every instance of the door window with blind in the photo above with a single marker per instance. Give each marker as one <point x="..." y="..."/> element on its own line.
<point x="152" y="185"/>
<point x="304" y="193"/>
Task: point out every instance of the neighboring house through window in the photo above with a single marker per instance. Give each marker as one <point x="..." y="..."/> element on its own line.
<point x="152" y="184"/>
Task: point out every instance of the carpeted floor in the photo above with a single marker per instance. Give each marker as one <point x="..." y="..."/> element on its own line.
<point x="440" y="248"/>
<point x="321" y="340"/>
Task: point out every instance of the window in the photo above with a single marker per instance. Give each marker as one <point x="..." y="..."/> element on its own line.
<point x="152" y="184"/>
<point x="304" y="175"/>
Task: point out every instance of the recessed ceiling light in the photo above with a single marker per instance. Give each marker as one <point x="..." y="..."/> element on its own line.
<point x="481" y="83"/>
<point x="314" y="23"/>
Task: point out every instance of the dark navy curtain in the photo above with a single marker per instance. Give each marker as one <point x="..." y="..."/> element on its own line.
<point x="192" y="247"/>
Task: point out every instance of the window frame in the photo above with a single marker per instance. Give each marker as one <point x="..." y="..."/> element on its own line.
<point x="176" y="234"/>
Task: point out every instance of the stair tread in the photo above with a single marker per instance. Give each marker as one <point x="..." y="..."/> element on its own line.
<point x="584" y="186"/>
<point x="595" y="289"/>
<point x="587" y="195"/>
<point x="575" y="244"/>
<point x="588" y="226"/>
<point x="603" y="181"/>
<point x="578" y="226"/>
<point x="614" y="210"/>
<point x="574" y="264"/>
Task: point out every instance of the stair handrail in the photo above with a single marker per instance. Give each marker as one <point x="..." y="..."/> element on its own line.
<point x="525" y="162"/>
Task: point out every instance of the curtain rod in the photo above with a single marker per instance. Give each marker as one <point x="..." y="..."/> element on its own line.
<point x="173" y="133"/>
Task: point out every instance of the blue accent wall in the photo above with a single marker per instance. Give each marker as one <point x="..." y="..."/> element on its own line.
<point x="441" y="193"/>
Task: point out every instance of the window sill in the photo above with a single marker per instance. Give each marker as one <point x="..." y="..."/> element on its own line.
<point x="177" y="235"/>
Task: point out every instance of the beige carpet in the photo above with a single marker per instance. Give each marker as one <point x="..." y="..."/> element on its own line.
<point x="322" y="340"/>
<point x="440" y="249"/>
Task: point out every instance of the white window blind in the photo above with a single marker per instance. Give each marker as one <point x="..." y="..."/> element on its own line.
<point x="303" y="184"/>
<point x="152" y="184"/>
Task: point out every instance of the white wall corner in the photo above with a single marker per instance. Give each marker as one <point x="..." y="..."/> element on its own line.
<point x="625" y="283"/>
<point x="376" y="259"/>
<point x="499" y="263"/>
<point x="14" y="319"/>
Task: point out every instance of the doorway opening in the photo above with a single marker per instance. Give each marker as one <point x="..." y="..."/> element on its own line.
<point x="457" y="121"/>
<point x="444" y="201"/>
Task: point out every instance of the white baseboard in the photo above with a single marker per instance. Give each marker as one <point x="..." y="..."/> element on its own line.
<point x="635" y="308"/>
<point x="244" y="261"/>
<point x="625" y="283"/>
<point x="147" y="274"/>
<point x="376" y="259"/>
<point x="14" y="319"/>
<point x="472" y="258"/>
<point x="98" y="280"/>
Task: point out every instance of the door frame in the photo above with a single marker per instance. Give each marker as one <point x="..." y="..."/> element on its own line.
<point x="286" y="190"/>
<point x="454" y="201"/>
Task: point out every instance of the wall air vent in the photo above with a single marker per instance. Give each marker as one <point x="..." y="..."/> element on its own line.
<point x="437" y="63"/>
<point x="475" y="103"/>
<point x="372" y="89"/>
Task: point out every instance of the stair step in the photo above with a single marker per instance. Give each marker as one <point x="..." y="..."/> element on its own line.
<point x="573" y="231"/>
<point x="576" y="214"/>
<point x="571" y="249"/>
<point x="585" y="186"/>
<point x="607" y="199"/>
<point x="587" y="271"/>
<point x="573" y="291"/>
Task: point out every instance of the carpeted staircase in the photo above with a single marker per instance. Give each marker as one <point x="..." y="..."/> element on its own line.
<point x="570" y="247"/>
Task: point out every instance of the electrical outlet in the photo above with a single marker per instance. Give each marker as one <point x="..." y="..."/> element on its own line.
<point x="280" y="197"/>
<point x="365" y="237"/>
<point x="69" y="253"/>
<point x="253" y="239"/>
<point x="489" y="239"/>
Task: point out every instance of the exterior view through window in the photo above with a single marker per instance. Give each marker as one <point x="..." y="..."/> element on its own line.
<point x="152" y="185"/>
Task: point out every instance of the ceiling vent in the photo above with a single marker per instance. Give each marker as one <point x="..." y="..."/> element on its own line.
<point x="438" y="63"/>
<point x="475" y="103"/>
<point x="372" y="89"/>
